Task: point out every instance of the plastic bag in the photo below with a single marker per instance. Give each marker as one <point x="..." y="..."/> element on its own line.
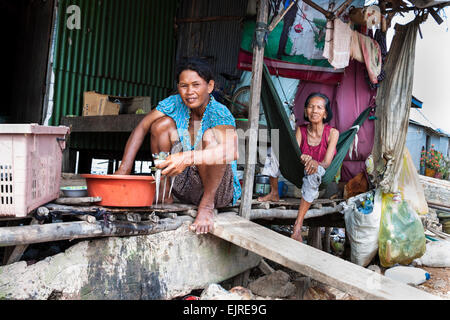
<point x="436" y="256"/>
<point x="362" y="223"/>
<point x="409" y="185"/>
<point x="401" y="237"/>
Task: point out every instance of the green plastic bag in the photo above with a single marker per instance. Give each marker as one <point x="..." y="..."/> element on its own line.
<point x="401" y="238"/>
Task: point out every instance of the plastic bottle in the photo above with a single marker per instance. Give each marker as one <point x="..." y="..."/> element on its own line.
<point x="408" y="275"/>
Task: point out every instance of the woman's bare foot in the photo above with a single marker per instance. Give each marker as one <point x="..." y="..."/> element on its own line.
<point x="271" y="196"/>
<point x="297" y="236"/>
<point x="204" y="222"/>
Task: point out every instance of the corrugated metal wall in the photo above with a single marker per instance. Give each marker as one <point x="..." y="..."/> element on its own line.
<point x="219" y="39"/>
<point x="124" y="47"/>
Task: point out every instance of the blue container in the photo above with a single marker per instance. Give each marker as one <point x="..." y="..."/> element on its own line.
<point x="282" y="189"/>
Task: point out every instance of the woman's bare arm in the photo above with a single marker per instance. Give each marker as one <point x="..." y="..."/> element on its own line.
<point x="298" y="136"/>
<point x="224" y="150"/>
<point x="332" y="142"/>
<point x="135" y="141"/>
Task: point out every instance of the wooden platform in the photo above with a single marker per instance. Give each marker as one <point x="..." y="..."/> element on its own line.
<point x="321" y="266"/>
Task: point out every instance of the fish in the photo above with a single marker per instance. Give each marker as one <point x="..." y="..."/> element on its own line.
<point x="164" y="190"/>
<point x="157" y="180"/>
<point x="159" y="158"/>
<point x="171" y="185"/>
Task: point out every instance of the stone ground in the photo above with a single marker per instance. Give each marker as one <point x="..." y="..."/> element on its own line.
<point x="439" y="282"/>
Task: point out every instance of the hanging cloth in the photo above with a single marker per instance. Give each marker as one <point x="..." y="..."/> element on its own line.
<point x="393" y="105"/>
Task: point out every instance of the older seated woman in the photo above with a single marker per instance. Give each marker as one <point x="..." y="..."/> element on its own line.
<point x="206" y="171"/>
<point x="317" y="141"/>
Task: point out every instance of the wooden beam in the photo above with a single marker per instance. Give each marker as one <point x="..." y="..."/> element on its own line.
<point x="120" y="123"/>
<point x="280" y="16"/>
<point x="342" y="8"/>
<point x="317" y="264"/>
<point x="18" y="251"/>
<point x="24" y="235"/>
<point x="255" y="98"/>
<point x="291" y="214"/>
<point x="329" y="15"/>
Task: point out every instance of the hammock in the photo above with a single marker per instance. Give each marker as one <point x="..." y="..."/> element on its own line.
<point x="289" y="153"/>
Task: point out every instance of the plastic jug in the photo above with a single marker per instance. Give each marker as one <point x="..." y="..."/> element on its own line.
<point x="408" y="275"/>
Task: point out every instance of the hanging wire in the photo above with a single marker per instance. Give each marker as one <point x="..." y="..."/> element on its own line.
<point x="420" y="112"/>
<point x="312" y="24"/>
<point x="282" y="89"/>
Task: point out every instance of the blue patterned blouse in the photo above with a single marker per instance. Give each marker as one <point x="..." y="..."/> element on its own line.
<point x="216" y="114"/>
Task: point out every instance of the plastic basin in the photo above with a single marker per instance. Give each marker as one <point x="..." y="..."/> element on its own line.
<point x="121" y="190"/>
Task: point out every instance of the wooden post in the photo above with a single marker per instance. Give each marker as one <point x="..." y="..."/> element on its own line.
<point x="18" y="251"/>
<point x="24" y="235"/>
<point x="255" y="98"/>
<point x="314" y="237"/>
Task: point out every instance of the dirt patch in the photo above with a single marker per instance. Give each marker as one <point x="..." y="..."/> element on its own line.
<point x="439" y="282"/>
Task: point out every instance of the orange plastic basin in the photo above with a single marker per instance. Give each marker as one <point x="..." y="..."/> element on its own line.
<point x="121" y="190"/>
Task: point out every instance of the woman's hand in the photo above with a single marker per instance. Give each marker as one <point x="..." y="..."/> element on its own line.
<point x="121" y="171"/>
<point x="311" y="165"/>
<point x="176" y="163"/>
<point x="305" y="158"/>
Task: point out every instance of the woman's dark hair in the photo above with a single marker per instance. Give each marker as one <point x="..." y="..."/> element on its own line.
<point x="198" y="65"/>
<point x="327" y="106"/>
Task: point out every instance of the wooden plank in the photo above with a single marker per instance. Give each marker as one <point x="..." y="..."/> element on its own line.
<point x="255" y="98"/>
<point x="317" y="264"/>
<point x="77" y="201"/>
<point x="265" y="268"/>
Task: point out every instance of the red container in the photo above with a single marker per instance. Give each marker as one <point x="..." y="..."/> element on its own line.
<point x="121" y="190"/>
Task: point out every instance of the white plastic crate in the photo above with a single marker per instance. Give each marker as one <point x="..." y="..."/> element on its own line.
<point x="30" y="166"/>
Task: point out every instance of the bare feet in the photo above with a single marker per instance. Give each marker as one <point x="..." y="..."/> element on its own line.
<point x="204" y="221"/>
<point x="297" y="235"/>
<point x="271" y="196"/>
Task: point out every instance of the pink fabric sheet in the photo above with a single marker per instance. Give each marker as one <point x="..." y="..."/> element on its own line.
<point x="348" y="99"/>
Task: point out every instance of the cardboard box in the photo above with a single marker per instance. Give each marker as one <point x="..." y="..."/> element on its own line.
<point x="96" y="104"/>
